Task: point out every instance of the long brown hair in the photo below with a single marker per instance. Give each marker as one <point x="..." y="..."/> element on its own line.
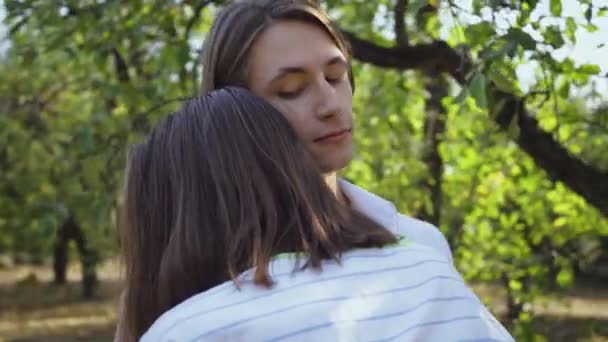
<point x="236" y="27"/>
<point x="219" y="187"/>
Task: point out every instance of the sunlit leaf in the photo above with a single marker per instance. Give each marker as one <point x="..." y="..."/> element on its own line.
<point x="556" y="7"/>
<point x="591" y="28"/>
<point x="571" y="29"/>
<point x="553" y="36"/>
<point x="515" y="285"/>
<point x="477" y="88"/>
<point x="565" y="277"/>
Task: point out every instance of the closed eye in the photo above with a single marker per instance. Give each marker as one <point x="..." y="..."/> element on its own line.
<point x="289" y="94"/>
<point x="334" y="80"/>
<point x="336" y="74"/>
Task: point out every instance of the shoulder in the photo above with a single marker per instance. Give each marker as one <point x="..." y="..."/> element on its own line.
<point x="385" y="213"/>
<point x="164" y="328"/>
<point x="424" y="233"/>
<point x="176" y="324"/>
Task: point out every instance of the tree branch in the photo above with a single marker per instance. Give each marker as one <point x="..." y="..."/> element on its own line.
<point x="435" y="57"/>
<point x="140" y="122"/>
<point x="550" y="155"/>
<point x="400" y="24"/>
<point x="581" y="177"/>
<point x="197" y="14"/>
<point x="120" y="65"/>
<point x="15" y="28"/>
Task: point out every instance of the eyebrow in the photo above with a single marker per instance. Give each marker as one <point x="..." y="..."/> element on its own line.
<point x="299" y="70"/>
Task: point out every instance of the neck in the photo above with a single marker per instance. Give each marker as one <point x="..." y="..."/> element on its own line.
<point x="332" y="181"/>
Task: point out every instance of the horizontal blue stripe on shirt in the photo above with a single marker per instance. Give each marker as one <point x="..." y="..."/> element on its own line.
<point x="327" y="300"/>
<point x="315" y="281"/>
<point x="371" y="318"/>
<point x="428" y="324"/>
<point x="226" y="286"/>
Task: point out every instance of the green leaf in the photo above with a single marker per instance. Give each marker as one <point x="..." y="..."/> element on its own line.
<point x="433" y="25"/>
<point x="564" y="90"/>
<point x="491" y="52"/>
<point x="477" y="6"/>
<point x="565" y="277"/>
<point x="479" y="33"/>
<point x="591" y="69"/>
<point x="560" y="222"/>
<point x="501" y="82"/>
<point x="504" y="78"/>
<point x="591" y="28"/>
<point x="524" y="15"/>
<point x="515" y="285"/>
<point x="571" y="29"/>
<point x="91" y="169"/>
<point x="556" y="7"/>
<point x="464" y="93"/>
<point x="521" y="38"/>
<point x="553" y="36"/>
<point x="477" y="89"/>
<point x="589" y="13"/>
<point x="457" y="36"/>
<point x="87" y="141"/>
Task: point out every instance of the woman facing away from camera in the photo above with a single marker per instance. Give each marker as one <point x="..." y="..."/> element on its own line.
<point x="232" y="234"/>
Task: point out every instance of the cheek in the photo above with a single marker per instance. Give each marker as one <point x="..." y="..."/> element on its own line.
<point x="294" y="112"/>
<point x="345" y="98"/>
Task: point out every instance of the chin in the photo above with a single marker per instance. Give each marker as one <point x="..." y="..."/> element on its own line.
<point x="336" y="162"/>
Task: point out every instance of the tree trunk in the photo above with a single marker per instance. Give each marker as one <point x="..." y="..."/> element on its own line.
<point x="71" y="230"/>
<point x="515" y="307"/>
<point x="60" y="254"/>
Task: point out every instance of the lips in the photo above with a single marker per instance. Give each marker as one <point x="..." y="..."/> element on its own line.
<point x="334" y="136"/>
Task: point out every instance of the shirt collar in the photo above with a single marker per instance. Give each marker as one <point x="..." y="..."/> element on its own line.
<point x="373" y="206"/>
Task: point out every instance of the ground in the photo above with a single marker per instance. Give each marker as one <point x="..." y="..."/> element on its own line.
<point x="33" y="309"/>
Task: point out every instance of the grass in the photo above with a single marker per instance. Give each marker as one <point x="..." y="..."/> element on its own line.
<point x="34" y="309"/>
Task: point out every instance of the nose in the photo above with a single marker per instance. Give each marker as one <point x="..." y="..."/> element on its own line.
<point x="327" y="102"/>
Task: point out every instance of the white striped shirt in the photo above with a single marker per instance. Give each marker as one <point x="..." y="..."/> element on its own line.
<point x="407" y="292"/>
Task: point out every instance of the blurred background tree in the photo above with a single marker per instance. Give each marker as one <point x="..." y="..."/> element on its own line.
<point x="473" y="115"/>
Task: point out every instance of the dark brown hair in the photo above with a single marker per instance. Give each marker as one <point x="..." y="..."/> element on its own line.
<point x="236" y="27"/>
<point x="219" y="187"/>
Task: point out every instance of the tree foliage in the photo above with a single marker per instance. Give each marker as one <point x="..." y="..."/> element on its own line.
<point x="524" y="170"/>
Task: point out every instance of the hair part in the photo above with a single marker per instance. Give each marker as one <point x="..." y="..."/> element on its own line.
<point x="225" y="55"/>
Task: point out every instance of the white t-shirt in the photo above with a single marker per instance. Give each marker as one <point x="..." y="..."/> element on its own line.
<point x="406" y="292"/>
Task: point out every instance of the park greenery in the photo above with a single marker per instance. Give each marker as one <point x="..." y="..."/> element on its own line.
<point x="514" y="174"/>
